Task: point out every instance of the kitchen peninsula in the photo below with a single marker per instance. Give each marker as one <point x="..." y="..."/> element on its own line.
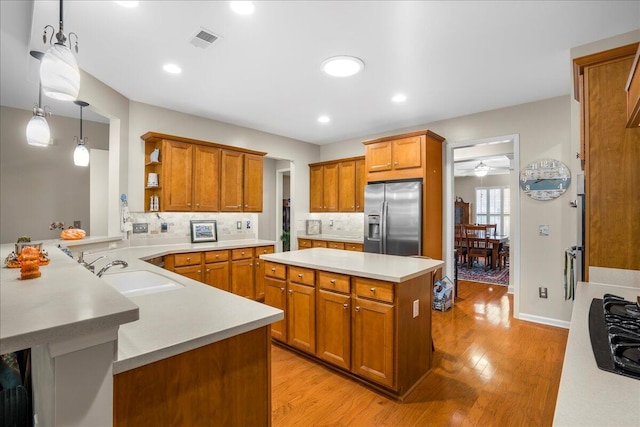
<point x="175" y="344"/>
<point x="367" y="315"/>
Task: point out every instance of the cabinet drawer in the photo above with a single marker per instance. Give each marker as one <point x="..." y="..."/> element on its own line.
<point x="374" y="289"/>
<point x="335" y="245"/>
<point x="216" y="256"/>
<point x="301" y="275"/>
<point x="181" y="260"/>
<point x="334" y="281"/>
<point x="304" y="243"/>
<point x="319" y="244"/>
<point x="276" y="270"/>
<point x="357" y="247"/>
<point x="244" y="253"/>
<point x="263" y="250"/>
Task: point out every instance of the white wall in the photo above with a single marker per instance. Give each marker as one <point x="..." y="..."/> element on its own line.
<point x="39" y="185"/>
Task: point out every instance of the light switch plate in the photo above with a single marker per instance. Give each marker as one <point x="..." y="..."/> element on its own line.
<point x="239" y="225"/>
<point x="543" y="230"/>
<point x="140" y="227"/>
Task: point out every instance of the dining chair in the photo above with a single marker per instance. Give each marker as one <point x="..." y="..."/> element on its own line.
<point x="478" y="245"/>
<point x="503" y="256"/>
<point x="460" y="242"/>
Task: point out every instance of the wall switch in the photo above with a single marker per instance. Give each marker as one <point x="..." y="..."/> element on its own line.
<point x="77" y="224"/>
<point x="330" y="223"/>
<point x="416" y="308"/>
<point x="543" y="230"/>
<point x="248" y="224"/>
<point x="164" y="227"/>
<point x="542" y="292"/>
<point x="140" y="227"/>
<point x="239" y="225"/>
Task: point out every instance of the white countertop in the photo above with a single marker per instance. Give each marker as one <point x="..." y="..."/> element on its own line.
<point x="65" y="302"/>
<point x="332" y="237"/>
<point x="68" y="301"/>
<point x="587" y="395"/>
<point x="363" y="264"/>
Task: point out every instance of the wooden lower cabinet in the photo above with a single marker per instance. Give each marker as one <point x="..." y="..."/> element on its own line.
<point x="259" y="270"/>
<point x="217" y="275"/>
<point x="334" y="328"/>
<point x="311" y="243"/>
<point x="275" y="295"/>
<point x="373" y="341"/>
<point x="242" y="278"/>
<point x="226" y="383"/>
<point x="301" y="317"/>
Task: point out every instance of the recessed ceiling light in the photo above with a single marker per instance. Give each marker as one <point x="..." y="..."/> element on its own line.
<point x="242" y="7"/>
<point x="399" y="97"/>
<point x="324" y="119"/>
<point x="129" y="3"/>
<point x="342" y="66"/>
<point x="172" y="69"/>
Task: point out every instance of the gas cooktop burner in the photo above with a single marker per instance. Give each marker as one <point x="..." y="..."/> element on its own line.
<point x="614" y="329"/>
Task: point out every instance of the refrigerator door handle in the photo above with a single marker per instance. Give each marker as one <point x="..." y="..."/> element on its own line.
<point x="383" y="228"/>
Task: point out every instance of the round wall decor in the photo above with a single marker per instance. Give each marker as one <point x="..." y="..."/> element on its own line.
<point x="545" y="179"/>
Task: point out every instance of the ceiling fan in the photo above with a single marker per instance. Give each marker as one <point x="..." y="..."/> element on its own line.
<point x="482" y="168"/>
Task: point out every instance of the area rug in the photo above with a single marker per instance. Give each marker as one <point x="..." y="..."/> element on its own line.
<point x="477" y="274"/>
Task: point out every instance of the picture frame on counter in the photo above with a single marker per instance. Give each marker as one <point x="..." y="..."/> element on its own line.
<point x="204" y="230"/>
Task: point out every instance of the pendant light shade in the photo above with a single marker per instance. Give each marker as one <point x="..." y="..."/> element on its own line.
<point x="81" y="154"/>
<point x="38" y="133"/>
<point x="59" y="73"/>
<point x="481" y="169"/>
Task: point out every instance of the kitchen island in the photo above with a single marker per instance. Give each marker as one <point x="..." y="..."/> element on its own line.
<point x="184" y="341"/>
<point x="366" y="315"/>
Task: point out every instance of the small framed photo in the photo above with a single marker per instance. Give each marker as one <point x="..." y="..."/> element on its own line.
<point x="204" y="231"/>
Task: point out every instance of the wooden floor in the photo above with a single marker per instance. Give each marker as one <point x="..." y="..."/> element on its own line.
<point x="489" y="370"/>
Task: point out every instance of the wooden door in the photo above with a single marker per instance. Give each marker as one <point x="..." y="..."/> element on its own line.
<point x="275" y="295"/>
<point x="407" y="153"/>
<point x="206" y="179"/>
<point x="177" y="175"/>
<point x="316" y="193"/>
<point x="242" y="278"/>
<point x="231" y="181"/>
<point x="378" y="156"/>
<point x="361" y="182"/>
<point x="330" y="187"/>
<point x="259" y="270"/>
<point x="252" y="183"/>
<point x="301" y="317"/>
<point x="373" y="341"/>
<point x="347" y="186"/>
<point x="192" y="272"/>
<point x="334" y="328"/>
<point x="217" y="275"/>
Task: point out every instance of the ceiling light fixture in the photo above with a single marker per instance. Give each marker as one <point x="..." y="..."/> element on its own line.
<point x="129" y="4"/>
<point x="481" y="169"/>
<point x="81" y="154"/>
<point x="38" y="133"/>
<point x="400" y="97"/>
<point x="242" y="7"/>
<point x="324" y="119"/>
<point x="59" y="72"/>
<point x="172" y="69"/>
<point x="342" y="66"/>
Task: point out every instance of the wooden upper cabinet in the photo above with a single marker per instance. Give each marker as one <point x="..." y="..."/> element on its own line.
<point x="330" y="187"/>
<point x="206" y="179"/>
<point x="252" y="183"/>
<point x="232" y="173"/>
<point x="347" y="190"/>
<point x="379" y="157"/>
<point x="361" y="182"/>
<point x="316" y="192"/>
<point x="337" y="185"/>
<point x="633" y="93"/>
<point x="407" y="153"/>
<point x="177" y="175"/>
<point x="397" y="157"/>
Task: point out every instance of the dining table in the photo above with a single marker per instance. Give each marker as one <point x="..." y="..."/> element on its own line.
<point x="496" y="241"/>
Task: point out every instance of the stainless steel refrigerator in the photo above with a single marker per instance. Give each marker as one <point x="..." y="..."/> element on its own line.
<point x="393" y="218"/>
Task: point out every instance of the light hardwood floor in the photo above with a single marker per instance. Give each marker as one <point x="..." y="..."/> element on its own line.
<point x="489" y="370"/>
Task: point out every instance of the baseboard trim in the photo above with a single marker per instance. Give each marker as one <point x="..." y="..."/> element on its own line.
<point x="544" y="320"/>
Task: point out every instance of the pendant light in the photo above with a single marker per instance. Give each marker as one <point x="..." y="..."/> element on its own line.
<point x="481" y="169"/>
<point x="37" y="132"/>
<point x="81" y="154"/>
<point x="59" y="72"/>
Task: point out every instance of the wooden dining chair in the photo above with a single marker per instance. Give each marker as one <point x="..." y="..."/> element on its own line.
<point x="460" y="242"/>
<point x="478" y="245"/>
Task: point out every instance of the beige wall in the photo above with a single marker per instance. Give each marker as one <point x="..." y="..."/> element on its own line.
<point x="40" y="185"/>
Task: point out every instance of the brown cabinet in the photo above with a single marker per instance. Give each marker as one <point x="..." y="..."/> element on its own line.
<point x="337" y="186"/>
<point x="185" y="264"/>
<point x="612" y="205"/>
<point x="395" y="155"/>
<point x="305" y="243"/>
<point x="243" y="273"/>
<point x="334" y="328"/>
<point x="462" y="213"/>
<point x="361" y="182"/>
<point x="357" y="247"/>
<point x="301" y="316"/>
<point x="275" y="295"/>
<point x="311" y="243"/>
<point x="259" y="267"/>
<point x="216" y="269"/>
<point x="199" y="176"/>
<point x="633" y="93"/>
<point x="319" y="243"/>
<point x="323" y="188"/>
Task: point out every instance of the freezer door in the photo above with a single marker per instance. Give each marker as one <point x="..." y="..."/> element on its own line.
<point x="403" y="218"/>
<point x="373" y="201"/>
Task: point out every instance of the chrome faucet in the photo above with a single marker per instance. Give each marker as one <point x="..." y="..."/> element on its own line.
<point x="111" y="264"/>
<point x="88" y="266"/>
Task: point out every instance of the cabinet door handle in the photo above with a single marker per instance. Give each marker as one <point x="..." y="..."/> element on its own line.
<point x="373" y="290"/>
<point x="300" y="275"/>
<point x="246" y="206"/>
<point x="199" y="272"/>
<point x="189" y="204"/>
<point x="188" y="259"/>
<point x="358" y="206"/>
<point x="332" y="281"/>
<point x="251" y="265"/>
<point x="258" y="264"/>
<point x="239" y="206"/>
<point x="281" y="289"/>
<point x="345" y="305"/>
<point x="197" y="205"/>
<point x="290" y="292"/>
<point x="207" y="271"/>
<point x="357" y="308"/>
<point x="273" y="269"/>
<point x="395" y="163"/>
<point x="388" y="164"/>
<point x="217" y="256"/>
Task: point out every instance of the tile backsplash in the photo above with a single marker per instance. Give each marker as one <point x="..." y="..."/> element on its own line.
<point x="178" y="225"/>
<point x="346" y="224"/>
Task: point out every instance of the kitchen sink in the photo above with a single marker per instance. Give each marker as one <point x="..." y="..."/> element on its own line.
<point x="139" y="282"/>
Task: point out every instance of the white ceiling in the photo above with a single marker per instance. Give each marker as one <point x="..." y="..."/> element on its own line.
<point x="449" y="58"/>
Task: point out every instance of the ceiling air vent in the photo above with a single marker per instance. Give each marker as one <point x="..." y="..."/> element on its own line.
<point x="203" y="38"/>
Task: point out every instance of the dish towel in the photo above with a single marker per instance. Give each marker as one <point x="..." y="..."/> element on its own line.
<point x="569" y="280"/>
<point x="125" y="219"/>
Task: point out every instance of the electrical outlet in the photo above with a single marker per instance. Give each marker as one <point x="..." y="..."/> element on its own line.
<point x="77" y="224"/>
<point x="140" y="227"/>
<point x="239" y="225"/>
<point x="542" y="292"/>
<point x="416" y="308"/>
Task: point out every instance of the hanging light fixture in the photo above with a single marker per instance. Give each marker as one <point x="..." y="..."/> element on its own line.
<point x="38" y="133"/>
<point x="481" y="169"/>
<point x="81" y="154"/>
<point x="59" y="72"/>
